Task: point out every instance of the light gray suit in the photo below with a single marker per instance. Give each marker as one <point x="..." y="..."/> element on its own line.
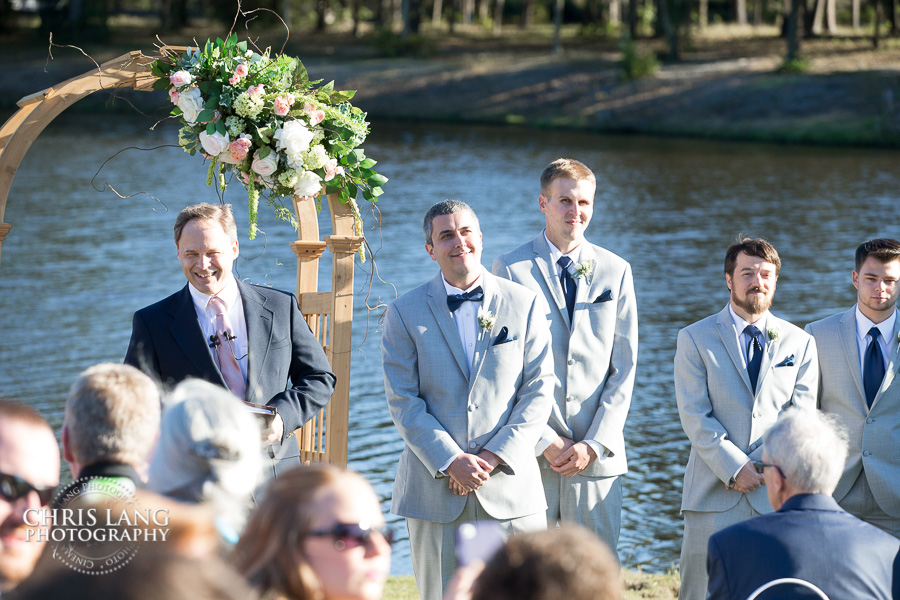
<point x="725" y="422"/>
<point x="442" y="410"/>
<point x="874" y="432"/>
<point x="595" y="358"/>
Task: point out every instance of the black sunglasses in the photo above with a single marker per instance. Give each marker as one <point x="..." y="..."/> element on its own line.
<point x="13" y="488"/>
<point x="351" y="535"/>
<point x="761" y="466"/>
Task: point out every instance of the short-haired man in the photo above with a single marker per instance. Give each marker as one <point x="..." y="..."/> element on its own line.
<point x="809" y="537"/>
<point x="29" y="474"/>
<point x="858" y="362"/>
<point x="111" y="423"/>
<point x="250" y="339"/>
<point x="735" y="371"/>
<point x="594" y="335"/>
<point x="468" y="375"/>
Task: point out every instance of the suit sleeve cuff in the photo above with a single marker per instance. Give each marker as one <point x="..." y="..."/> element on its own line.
<point x="443" y="469"/>
<point x="549" y="436"/>
<point x="598" y="448"/>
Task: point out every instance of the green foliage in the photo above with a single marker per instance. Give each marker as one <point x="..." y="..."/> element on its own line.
<point x="636" y="63"/>
<point x="795" y="65"/>
<point x="391" y="45"/>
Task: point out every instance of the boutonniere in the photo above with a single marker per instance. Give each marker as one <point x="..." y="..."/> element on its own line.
<point x="584" y="269"/>
<point x="486" y="318"/>
<point x="773" y="333"/>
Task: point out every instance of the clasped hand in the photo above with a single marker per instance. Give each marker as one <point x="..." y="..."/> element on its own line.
<point x="468" y="472"/>
<point x="747" y="479"/>
<point x="568" y="457"/>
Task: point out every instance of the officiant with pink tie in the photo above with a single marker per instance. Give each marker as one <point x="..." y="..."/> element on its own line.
<point x="250" y="339"/>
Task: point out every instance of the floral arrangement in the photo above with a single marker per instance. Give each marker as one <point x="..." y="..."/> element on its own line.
<point x="773" y="333"/>
<point x="486" y="319"/>
<point x="262" y="119"/>
<point x="583" y="269"/>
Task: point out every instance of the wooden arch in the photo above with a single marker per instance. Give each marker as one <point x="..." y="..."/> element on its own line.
<point x="329" y="313"/>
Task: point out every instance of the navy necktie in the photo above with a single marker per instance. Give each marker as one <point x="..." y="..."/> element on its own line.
<point x="454" y="301"/>
<point x="754" y="354"/>
<point x="568" y="284"/>
<point x="873" y="367"/>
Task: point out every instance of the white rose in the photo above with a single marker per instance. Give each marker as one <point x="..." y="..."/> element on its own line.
<point x="214" y="144"/>
<point x="294" y="138"/>
<point x="190" y="103"/>
<point x="265" y="166"/>
<point x="308" y="184"/>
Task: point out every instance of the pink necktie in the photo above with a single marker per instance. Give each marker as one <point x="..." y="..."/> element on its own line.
<point x="225" y="357"/>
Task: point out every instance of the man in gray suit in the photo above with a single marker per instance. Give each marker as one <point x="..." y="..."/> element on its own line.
<point x="594" y="334"/>
<point x="469" y="381"/>
<point x="858" y="362"/>
<point x="734" y="373"/>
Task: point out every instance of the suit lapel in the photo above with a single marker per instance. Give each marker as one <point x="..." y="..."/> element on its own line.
<point x="584" y="286"/>
<point x="186" y="330"/>
<point x="851" y="350"/>
<point x="259" y="335"/>
<point x="772" y="346"/>
<point x="893" y="362"/>
<point x="437" y="302"/>
<point x="548" y="270"/>
<point x="493" y="304"/>
<point x="725" y="328"/>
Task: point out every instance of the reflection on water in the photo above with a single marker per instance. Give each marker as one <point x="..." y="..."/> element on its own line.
<point x="78" y="262"/>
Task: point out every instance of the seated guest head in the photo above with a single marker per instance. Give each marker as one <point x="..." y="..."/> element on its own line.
<point x="317" y="533"/>
<point x="112" y="416"/>
<point x="569" y="562"/>
<point x="805" y="452"/>
<point x="29" y="472"/>
<point x="209" y="451"/>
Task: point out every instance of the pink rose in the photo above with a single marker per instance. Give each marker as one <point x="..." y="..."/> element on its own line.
<point x="173" y="95"/>
<point x="240" y="147"/>
<point x="331" y="169"/>
<point x="283" y="105"/>
<point x="245" y="177"/>
<point x="180" y="78"/>
<point x="316" y="117"/>
<point x="234" y="80"/>
<point x="241" y="70"/>
<point x="256" y="90"/>
<point x="264" y="166"/>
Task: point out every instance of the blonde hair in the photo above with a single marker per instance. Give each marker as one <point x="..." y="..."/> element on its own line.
<point x="568" y="168"/>
<point x="112" y="415"/>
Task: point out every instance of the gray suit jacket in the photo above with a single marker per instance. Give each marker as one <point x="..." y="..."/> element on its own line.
<point x="874" y="433"/>
<point x="595" y="356"/>
<point x="286" y="366"/>
<point x="722" y="417"/>
<point x="441" y="409"/>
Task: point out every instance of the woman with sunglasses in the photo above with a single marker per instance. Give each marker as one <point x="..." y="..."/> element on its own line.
<point x="317" y="534"/>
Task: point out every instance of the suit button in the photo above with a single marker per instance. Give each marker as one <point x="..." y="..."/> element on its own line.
<point x="571" y="361"/>
<point x="471" y="408"/>
<point x="755" y="415"/>
<point x="570" y="399"/>
<point x="870" y="420"/>
<point x="867" y="453"/>
<point x="473" y="445"/>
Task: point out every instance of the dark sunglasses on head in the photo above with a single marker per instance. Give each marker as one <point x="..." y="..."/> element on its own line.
<point x="13" y="488"/>
<point x="351" y="535"/>
<point x="761" y="467"/>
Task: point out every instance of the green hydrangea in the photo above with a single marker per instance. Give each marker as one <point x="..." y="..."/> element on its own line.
<point x="288" y="179"/>
<point x="248" y="107"/>
<point x="315" y="157"/>
<point x="235" y="127"/>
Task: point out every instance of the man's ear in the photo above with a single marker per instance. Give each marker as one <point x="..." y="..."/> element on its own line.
<point x="542" y="203"/>
<point x="430" y="250"/>
<point x="728" y="281"/>
<point x="66" y="445"/>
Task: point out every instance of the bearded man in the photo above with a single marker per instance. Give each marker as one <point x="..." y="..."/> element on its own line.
<point x="735" y="372"/>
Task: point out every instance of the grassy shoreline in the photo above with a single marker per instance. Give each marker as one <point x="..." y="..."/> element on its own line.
<point x="727" y="87"/>
<point x="638" y="586"/>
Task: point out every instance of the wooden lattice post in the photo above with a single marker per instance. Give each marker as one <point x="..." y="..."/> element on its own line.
<point x="330" y="316"/>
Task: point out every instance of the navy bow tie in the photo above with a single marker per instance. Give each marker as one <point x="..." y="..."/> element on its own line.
<point x="454" y="301"/>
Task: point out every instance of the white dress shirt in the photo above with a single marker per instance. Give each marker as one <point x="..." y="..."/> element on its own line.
<point x="466" y="318"/>
<point x="206" y="315"/>
<point x="886" y="328"/>
<point x="744" y="343"/>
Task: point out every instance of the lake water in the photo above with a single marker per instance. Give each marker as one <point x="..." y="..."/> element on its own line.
<point x="78" y="261"/>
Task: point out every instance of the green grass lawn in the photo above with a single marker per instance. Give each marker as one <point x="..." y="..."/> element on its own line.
<point x="638" y="586"/>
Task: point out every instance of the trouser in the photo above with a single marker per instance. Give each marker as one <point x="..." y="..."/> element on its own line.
<point x="698" y="527"/>
<point x="433" y="545"/>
